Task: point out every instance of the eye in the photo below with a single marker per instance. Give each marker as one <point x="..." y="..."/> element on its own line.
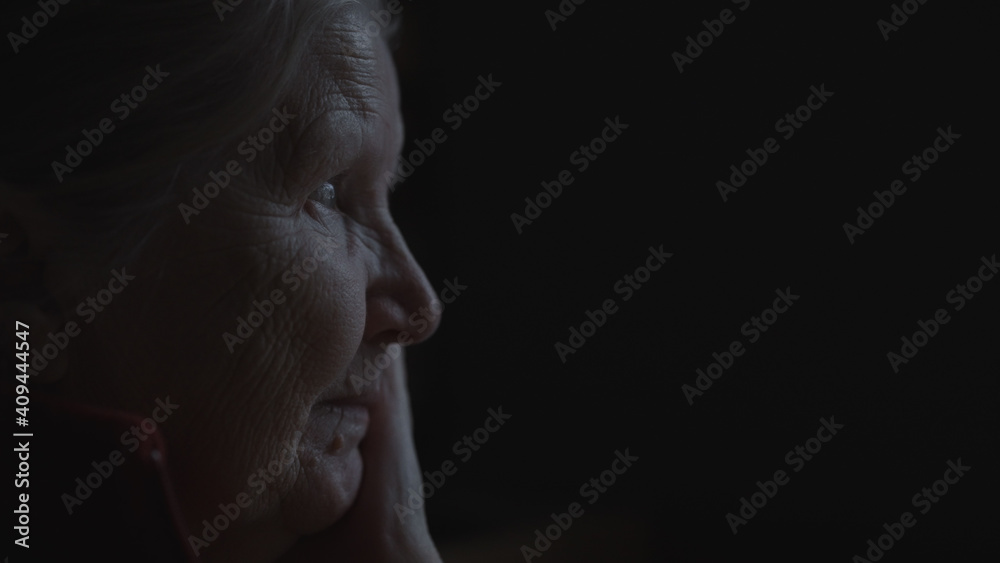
<point x="326" y="194"/>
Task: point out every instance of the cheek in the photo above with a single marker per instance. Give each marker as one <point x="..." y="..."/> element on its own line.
<point x="311" y="317"/>
<point x="324" y="312"/>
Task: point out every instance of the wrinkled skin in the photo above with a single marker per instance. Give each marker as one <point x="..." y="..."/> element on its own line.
<point x="333" y="500"/>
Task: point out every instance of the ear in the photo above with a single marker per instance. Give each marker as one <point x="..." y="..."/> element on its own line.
<point x="26" y="305"/>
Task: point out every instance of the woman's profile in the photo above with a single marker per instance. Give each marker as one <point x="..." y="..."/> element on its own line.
<point x="200" y="252"/>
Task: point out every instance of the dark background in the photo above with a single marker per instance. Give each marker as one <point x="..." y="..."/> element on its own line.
<point x="656" y="185"/>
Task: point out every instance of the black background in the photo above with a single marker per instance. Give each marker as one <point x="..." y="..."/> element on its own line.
<point x="655" y="185"/>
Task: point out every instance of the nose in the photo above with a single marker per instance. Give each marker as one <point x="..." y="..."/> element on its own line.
<point x="401" y="304"/>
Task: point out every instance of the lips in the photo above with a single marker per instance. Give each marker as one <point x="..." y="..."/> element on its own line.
<point x="336" y="428"/>
<point x="332" y="466"/>
<point x="340" y="416"/>
<point x="358" y="385"/>
<point x="334" y="434"/>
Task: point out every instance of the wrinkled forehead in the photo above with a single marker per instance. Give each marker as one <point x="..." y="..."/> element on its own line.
<point x="346" y="58"/>
<point x="346" y="94"/>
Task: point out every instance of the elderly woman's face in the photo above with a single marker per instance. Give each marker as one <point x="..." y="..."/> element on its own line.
<point x="276" y="406"/>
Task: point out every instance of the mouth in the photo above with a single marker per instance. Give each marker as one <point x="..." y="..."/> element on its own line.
<point x="361" y="383"/>
<point x="332" y="441"/>
<point x="340" y="416"/>
<point x="336" y="428"/>
<point x="334" y="436"/>
<point x="332" y="465"/>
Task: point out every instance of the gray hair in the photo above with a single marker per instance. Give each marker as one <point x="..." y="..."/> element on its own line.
<point x="227" y="69"/>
